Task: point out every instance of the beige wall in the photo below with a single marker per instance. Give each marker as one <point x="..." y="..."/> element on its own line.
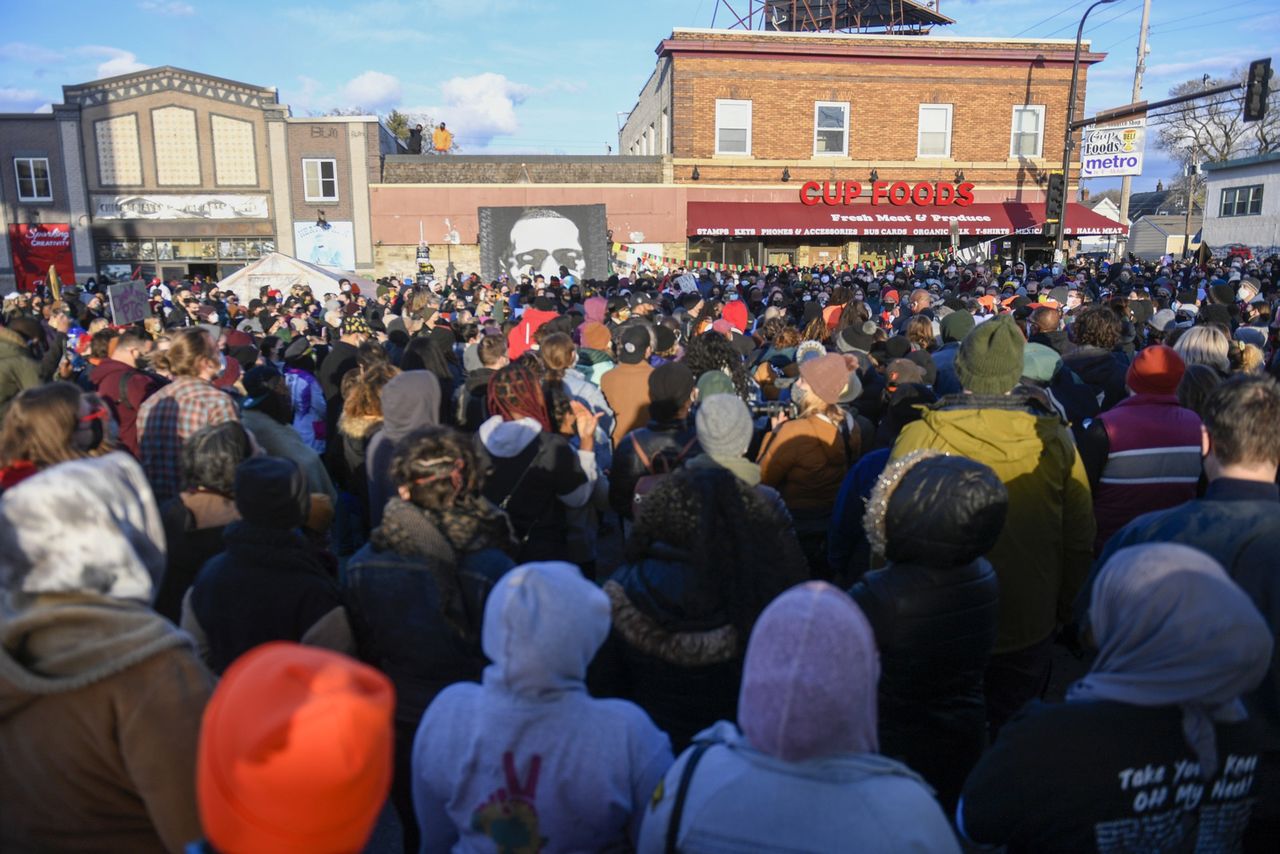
<point x="204" y="109"/>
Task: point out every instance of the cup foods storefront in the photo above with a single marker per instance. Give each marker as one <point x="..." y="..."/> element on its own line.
<point x="846" y="222"/>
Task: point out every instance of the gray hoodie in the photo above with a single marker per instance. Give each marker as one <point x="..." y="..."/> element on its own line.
<point x="527" y="759"/>
<point x="410" y="401"/>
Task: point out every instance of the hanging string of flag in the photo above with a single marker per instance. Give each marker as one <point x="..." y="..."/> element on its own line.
<point x="634" y="255"/>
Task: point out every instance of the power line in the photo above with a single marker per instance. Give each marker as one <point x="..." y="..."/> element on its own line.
<point x="1048" y="19"/>
<point x="1071" y="24"/>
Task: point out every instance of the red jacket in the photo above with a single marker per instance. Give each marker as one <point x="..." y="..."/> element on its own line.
<point x="520" y="338"/>
<point x="1152" y="463"/>
<point x="124" y="389"/>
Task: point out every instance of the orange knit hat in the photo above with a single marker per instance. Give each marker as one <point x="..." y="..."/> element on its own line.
<point x="295" y="753"/>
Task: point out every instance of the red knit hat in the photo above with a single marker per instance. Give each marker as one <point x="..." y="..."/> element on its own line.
<point x="295" y="753"/>
<point x="1156" y="370"/>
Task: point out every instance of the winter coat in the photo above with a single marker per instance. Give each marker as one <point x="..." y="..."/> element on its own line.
<point x="672" y="649"/>
<point x="100" y="707"/>
<point x="800" y="772"/>
<point x="806" y="460"/>
<point x="194" y="523"/>
<point x="665" y="444"/>
<point x="1104" y="371"/>
<point x="1142" y="455"/>
<point x="520" y="338"/>
<point x="626" y="388"/>
<point x="528" y="760"/>
<point x="594" y="364"/>
<point x="1043" y="554"/>
<point x="18" y="371"/>
<point x="935" y="627"/>
<point x="537" y="475"/>
<point x="472" y="408"/>
<point x="416" y="606"/>
<point x="100" y="698"/>
<point x="310" y="412"/>
<point x="124" y="389"/>
<point x="267" y="585"/>
<point x="355" y="433"/>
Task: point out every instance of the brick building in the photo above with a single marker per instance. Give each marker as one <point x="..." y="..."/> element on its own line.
<point x="821" y="111"/>
<point x="745" y="147"/>
<point x="172" y="173"/>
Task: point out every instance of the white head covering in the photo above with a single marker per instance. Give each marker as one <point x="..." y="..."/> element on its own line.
<point x="86" y="526"/>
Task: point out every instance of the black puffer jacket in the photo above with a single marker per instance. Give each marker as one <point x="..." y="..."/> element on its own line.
<point x="934" y="609"/>
<point x="1103" y="370"/>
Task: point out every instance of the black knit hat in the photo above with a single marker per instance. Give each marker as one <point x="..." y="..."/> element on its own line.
<point x="271" y="492"/>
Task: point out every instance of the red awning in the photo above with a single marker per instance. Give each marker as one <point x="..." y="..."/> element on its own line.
<point x="774" y="219"/>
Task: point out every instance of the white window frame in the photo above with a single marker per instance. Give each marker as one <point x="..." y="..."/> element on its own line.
<point x="320" y="179"/>
<point x="946" y="153"/>
<point x="1247" y="190"/>
<point x="750" y="117"/>
<point x="844" y="105"/>
<point x="1013" y="130"/>
<point x="17" y="179"/>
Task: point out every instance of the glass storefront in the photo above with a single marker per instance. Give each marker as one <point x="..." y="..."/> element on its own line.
<point x="175" y="258"/>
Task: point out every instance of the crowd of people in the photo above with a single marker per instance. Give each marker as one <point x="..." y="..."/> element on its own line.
<point x="775" y="559"/>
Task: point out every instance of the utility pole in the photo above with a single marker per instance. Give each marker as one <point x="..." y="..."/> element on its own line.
<point x="1193" y="169"/>
<point x="1126" y="183"/>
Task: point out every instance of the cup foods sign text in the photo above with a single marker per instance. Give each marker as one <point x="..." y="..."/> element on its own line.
<point x="1113" y="150"/>
<point x="897" y="193"/>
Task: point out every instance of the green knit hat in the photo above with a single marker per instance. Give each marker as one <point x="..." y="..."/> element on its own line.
<point x="990" y="357"/>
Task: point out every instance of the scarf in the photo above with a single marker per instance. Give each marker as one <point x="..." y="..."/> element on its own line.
<point x="1173" y="629"/>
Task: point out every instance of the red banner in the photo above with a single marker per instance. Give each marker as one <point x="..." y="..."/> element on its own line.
<point x="37" y="246"/>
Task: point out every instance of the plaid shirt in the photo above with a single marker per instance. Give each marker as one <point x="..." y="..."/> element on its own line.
<point x="168" y="418"/>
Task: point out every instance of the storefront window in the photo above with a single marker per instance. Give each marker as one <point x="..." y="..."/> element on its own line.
<point x="194" y="250"/>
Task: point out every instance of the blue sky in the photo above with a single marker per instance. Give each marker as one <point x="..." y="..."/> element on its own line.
<point x="535" y="75"/>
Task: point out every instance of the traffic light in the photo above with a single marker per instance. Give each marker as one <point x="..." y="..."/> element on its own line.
<point x="1256" y="90"/>
<point x="1055" y="197"/>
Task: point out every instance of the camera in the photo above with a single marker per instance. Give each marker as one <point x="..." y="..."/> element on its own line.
<point x="770" y="408"/>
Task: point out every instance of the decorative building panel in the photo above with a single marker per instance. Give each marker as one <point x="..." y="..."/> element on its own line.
<point x="233" y="152"/>
<point x="177" y="151"/>
<point x="119" y="161"/>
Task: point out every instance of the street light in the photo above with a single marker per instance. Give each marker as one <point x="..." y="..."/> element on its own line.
<point x="1061" y="230"/>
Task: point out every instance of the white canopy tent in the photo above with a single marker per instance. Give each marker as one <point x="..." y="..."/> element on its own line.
<point x="281" y="272"/>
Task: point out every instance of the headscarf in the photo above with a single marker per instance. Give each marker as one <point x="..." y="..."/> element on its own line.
<point x="85" y="526"/>
<point x="515" y="392"/>
<point x="1173" y="629"/>
<point x="809" y="679"/>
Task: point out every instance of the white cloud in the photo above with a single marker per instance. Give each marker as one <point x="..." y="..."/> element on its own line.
<point x="172" y="8"/>
<point x="373" y="90"/>
<point x="480" y="107"/>
<point x="117" y="61"/>
<point x="13" y="99"/>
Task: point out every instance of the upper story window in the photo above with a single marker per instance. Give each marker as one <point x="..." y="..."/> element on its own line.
<point x="935" y="131"/>
<point x="1027" y="137"/>
<point x="830" y="129"/>
<point x="34" y="184"/>
<point x="1241" y="201"/>
<point x="733" y="127"/>
<point x="320" y="180"/>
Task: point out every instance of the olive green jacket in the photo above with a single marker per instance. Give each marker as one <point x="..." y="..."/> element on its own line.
<point x="1044" y="552"/>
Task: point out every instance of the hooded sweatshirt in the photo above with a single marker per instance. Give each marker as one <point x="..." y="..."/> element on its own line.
<point x="87" y="670"/>
<point x="527" y="759"/>
<point x="410" y="401"/>
<point x="802" y="773"/>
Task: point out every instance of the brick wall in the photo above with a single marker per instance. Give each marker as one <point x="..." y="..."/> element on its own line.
<point x="464" y="169"/>
<point x="36" y="136"/>
<point x="327" y="141"/>
<point x="884" y="98"/>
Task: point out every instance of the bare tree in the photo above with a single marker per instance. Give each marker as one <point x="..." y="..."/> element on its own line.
<point x="1213" y="128"/>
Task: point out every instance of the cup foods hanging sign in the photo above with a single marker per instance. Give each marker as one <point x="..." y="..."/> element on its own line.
<point x="1113" y="150"/>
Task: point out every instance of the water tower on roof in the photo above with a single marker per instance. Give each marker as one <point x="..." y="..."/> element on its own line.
<point x="893" y="17"/>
